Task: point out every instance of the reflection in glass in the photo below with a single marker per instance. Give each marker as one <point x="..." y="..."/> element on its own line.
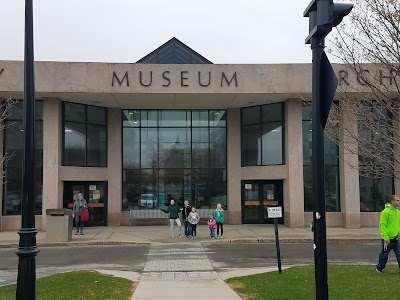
<point x="375" y="192"/>
<point x="96" y="146"/>
<point x="74" y="112"/>
<point x="175" y="160"/>
<point x="13" y="147"/>
<point x="251" y="115"/>
<point x="251" y="145"/>
<point x="75" y="144"/>
<point x="272" y="144"/>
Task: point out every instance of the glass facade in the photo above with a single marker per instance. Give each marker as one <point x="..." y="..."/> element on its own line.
<point x="13" y="150"/>
<point x="173" y="154"/>
<point x="331" y="167"/>
<point x="375" y="192"/>
<point x="84" y="135"/>
<point x="263" y="135"/>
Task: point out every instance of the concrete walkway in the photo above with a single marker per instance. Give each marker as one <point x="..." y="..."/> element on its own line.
<point x="160" y="234"/>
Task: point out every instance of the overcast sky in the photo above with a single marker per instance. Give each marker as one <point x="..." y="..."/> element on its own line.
<point x="223" y="31"/>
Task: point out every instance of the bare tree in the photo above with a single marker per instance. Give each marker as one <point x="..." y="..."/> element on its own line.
<point x="5" y="106"/>
<point x="365" y="120"/>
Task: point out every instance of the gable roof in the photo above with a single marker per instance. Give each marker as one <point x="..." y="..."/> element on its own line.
<point x="174" y="52"/>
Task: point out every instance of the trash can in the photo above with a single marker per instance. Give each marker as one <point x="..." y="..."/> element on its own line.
<point x="59" y="225"/>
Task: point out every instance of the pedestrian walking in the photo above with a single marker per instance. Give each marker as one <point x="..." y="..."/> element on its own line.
<point x="193" y="220"/>
<point x="80" y="205"/>
<point x="212" y="224"/>
<point x="174" y="210"/>
<point x="389" y="227"/>
<point x="185" y="215"/>
<point x="219" y="218"/>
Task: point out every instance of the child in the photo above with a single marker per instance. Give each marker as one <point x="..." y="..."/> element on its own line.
<point x="185" y="215"/>
<point x="219" y="218"/>
<point x="193" y="219"/>
<point x="212" y="224"/>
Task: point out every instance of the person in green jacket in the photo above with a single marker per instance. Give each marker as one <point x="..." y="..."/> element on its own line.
<point x="389" y="227"/>
<point x="219" y="217"/>
<point x="174" y="210"/>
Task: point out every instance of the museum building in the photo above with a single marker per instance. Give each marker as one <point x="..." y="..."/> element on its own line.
<point x="173" y="125"/>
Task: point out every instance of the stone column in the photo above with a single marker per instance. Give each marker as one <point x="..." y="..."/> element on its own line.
<point x="52" y="147"/>
<point x="114" y="167"/>
<point x="349" y="176"/>
<point x="234" y="166"/>
<point x="293" y="190"/>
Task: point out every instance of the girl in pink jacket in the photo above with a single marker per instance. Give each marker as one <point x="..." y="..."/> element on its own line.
<point x="212" y="224"/>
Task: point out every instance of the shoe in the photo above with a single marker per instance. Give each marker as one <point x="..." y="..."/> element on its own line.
<point x="82" y="233"/>
<point x="76" y="233"/>
<point x="221" y="237"/>
<point x="180" y="236"/>
<point x="194" y="237"/>
<point x="172" y="237"/>
<point x="378" y="271"/>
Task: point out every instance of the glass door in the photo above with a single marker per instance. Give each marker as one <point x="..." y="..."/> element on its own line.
<point x="251" y="203"/>
<point x="257" y="196"/>
<point x="95" y="193"/>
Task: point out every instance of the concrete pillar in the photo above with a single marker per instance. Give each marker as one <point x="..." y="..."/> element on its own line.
<point x="114" y="167"/>
<point x="349" y="177"/>
<point x="293" y="190"/>
<point x="52" y="147"/>
<point x="234" y="166"/>
<point x="1" y="171"/>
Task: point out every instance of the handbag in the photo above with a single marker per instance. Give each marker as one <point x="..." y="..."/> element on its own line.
<point x="84" y="216"/>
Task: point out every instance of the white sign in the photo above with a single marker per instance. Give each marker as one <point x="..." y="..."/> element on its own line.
<point x="274" y="212"/>
<point x="92" y="187"/>
<point x="247" y="186"/>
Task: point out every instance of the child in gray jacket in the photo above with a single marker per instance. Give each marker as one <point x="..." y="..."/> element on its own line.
<point x="193" y="219"/>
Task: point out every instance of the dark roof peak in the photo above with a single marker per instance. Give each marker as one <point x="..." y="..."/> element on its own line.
<point x="174" y="52"/>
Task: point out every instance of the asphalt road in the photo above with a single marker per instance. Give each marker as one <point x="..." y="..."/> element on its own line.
<point x="222" y="256"/>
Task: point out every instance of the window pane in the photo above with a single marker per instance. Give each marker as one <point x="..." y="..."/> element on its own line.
<point x="131" y="148"/>
<point x="200" y="118"/>
<point x="131" y="189"/>
<point x="307" y="113"/>
<point x="149" y="118"/>
<point x="200" y="148"/>
<point x="75" y="144"/>
<point x="13" y="191"/>
<point x="148" y="189"/>
<point x="172" y="185"/>
<point x="38" y="144"/>
<point x="149" y="147"/>
<point x="175" y="148"/>
<point x="375" y="192"/>
<point x="14" y="141"/>
<point x="251" y="115"/>
<point x="131" y="118"/>
<point x="96" y="115"/>
<point x="200" y="188"/>
<point x="175" y="118"/>
<point x="251" y="145"/>
<point x="218" y="118"/>
<point x="307" y="142"/>
<point x="272" y="143"/>
<point x="74" y="112"/>
<point x="331" y="188"/>
<point x="218" y="188"/>
<point x="217" y="147"/>
<point x="272" y="112"/>
<point x="96" y="146"/>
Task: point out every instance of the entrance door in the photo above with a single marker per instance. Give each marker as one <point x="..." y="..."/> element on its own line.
<point x="256" y="197"/>
<point x="95" y="194"/>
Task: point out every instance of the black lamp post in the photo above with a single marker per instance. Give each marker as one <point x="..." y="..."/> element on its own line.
<point x="27" y="250"/>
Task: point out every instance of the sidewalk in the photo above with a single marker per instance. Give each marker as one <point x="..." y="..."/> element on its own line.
<point x="232" y="233"/>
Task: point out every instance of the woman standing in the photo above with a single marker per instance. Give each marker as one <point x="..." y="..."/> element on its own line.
<point x="219" y="217"/>
<point x="80" y="205"/>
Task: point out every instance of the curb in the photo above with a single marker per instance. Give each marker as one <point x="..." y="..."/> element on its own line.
<point x="332" y="241"/>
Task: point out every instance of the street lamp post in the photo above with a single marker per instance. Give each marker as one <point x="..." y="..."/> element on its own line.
<point x="27" y="250"/>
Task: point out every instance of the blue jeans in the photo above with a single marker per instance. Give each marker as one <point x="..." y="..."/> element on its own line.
<point x="188" y="229"/>
<point x="212" y="232"/>
<point x="383" y="256"/>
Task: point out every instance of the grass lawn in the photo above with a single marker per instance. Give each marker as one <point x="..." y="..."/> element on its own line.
<point x="345" y="282"/>
<point x="85" y="285"/>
